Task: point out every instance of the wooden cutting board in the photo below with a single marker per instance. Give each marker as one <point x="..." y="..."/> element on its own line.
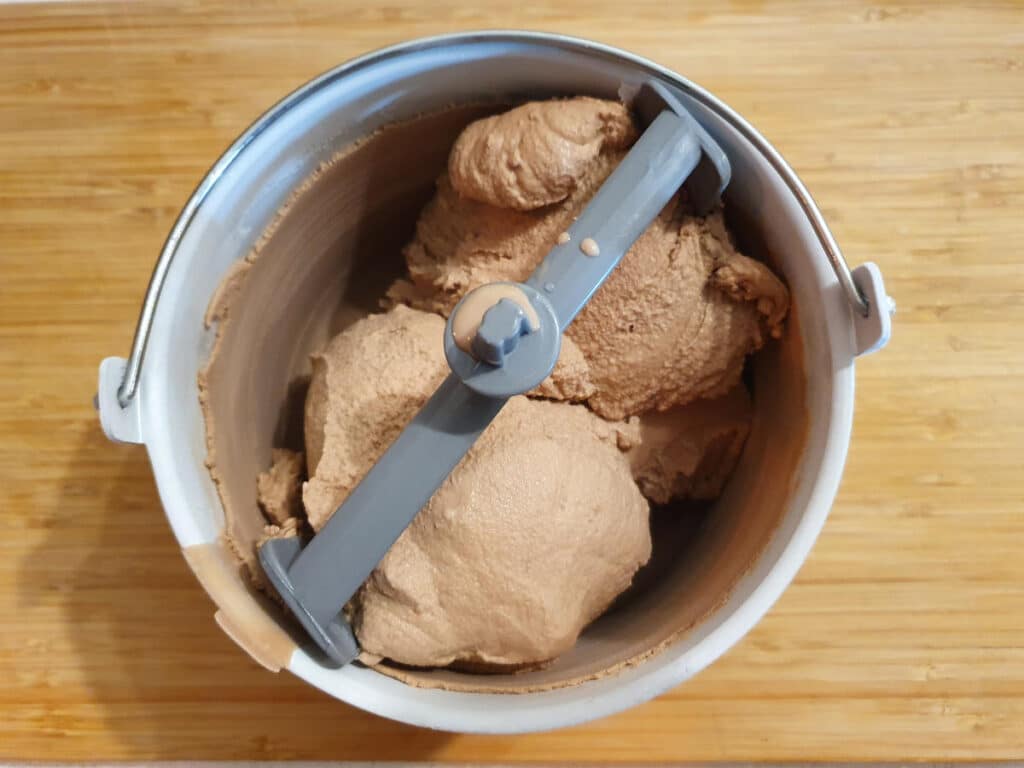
<point x="903" y="636"/>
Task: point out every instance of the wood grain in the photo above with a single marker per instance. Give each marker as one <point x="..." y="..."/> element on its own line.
<point x="903" y="636"/>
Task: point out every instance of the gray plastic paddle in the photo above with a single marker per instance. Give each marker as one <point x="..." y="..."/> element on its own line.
<point x="318" y="581"/>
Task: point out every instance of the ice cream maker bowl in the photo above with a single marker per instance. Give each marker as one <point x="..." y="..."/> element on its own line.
<point x="338" y="244"/>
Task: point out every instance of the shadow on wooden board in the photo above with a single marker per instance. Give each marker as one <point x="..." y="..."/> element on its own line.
<point x="164" y="682"/>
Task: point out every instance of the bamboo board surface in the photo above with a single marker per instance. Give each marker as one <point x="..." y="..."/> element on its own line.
<point x="903" y="635"/>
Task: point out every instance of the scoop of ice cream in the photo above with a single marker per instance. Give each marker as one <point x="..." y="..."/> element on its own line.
<point x="675" y="319"/>
<point x="366" y="385"/>
<point x="664" y="330"/>
<point x="534" y="155"/>
<point x="531" y="537"/>
<point x="689" y="451"/>
<point x="279" y="489"/>
<point x="517" y="552"/>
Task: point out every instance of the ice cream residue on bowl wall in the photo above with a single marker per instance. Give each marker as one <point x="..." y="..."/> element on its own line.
<point x="546" y="521"/>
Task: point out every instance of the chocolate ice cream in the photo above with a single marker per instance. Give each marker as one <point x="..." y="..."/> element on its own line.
<point x="545" y="521"/>
<point x="279" y="487"/>
<point x="517" y="551"/>
<point x="677" y="317"/>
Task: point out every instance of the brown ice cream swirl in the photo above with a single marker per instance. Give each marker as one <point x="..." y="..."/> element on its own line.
<point x="545" y="521"/>
<point x="677" y="317"/>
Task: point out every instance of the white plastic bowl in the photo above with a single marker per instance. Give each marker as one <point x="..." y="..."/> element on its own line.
<point x="157" y="403"/>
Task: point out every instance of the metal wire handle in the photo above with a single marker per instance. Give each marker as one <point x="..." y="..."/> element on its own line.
<point x="130" y="383"/>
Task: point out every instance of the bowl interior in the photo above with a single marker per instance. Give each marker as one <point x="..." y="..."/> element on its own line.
<point x="326" y="259"/>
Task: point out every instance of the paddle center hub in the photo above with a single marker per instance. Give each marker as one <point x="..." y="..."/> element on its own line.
<point x="502" y="339"/>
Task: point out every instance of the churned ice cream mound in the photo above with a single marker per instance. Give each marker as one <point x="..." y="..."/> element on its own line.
<point x="534" y="155"/>
<point x="677" y="317"/>
<point x="517" y="551"/>
<point x="531" y="537"/>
